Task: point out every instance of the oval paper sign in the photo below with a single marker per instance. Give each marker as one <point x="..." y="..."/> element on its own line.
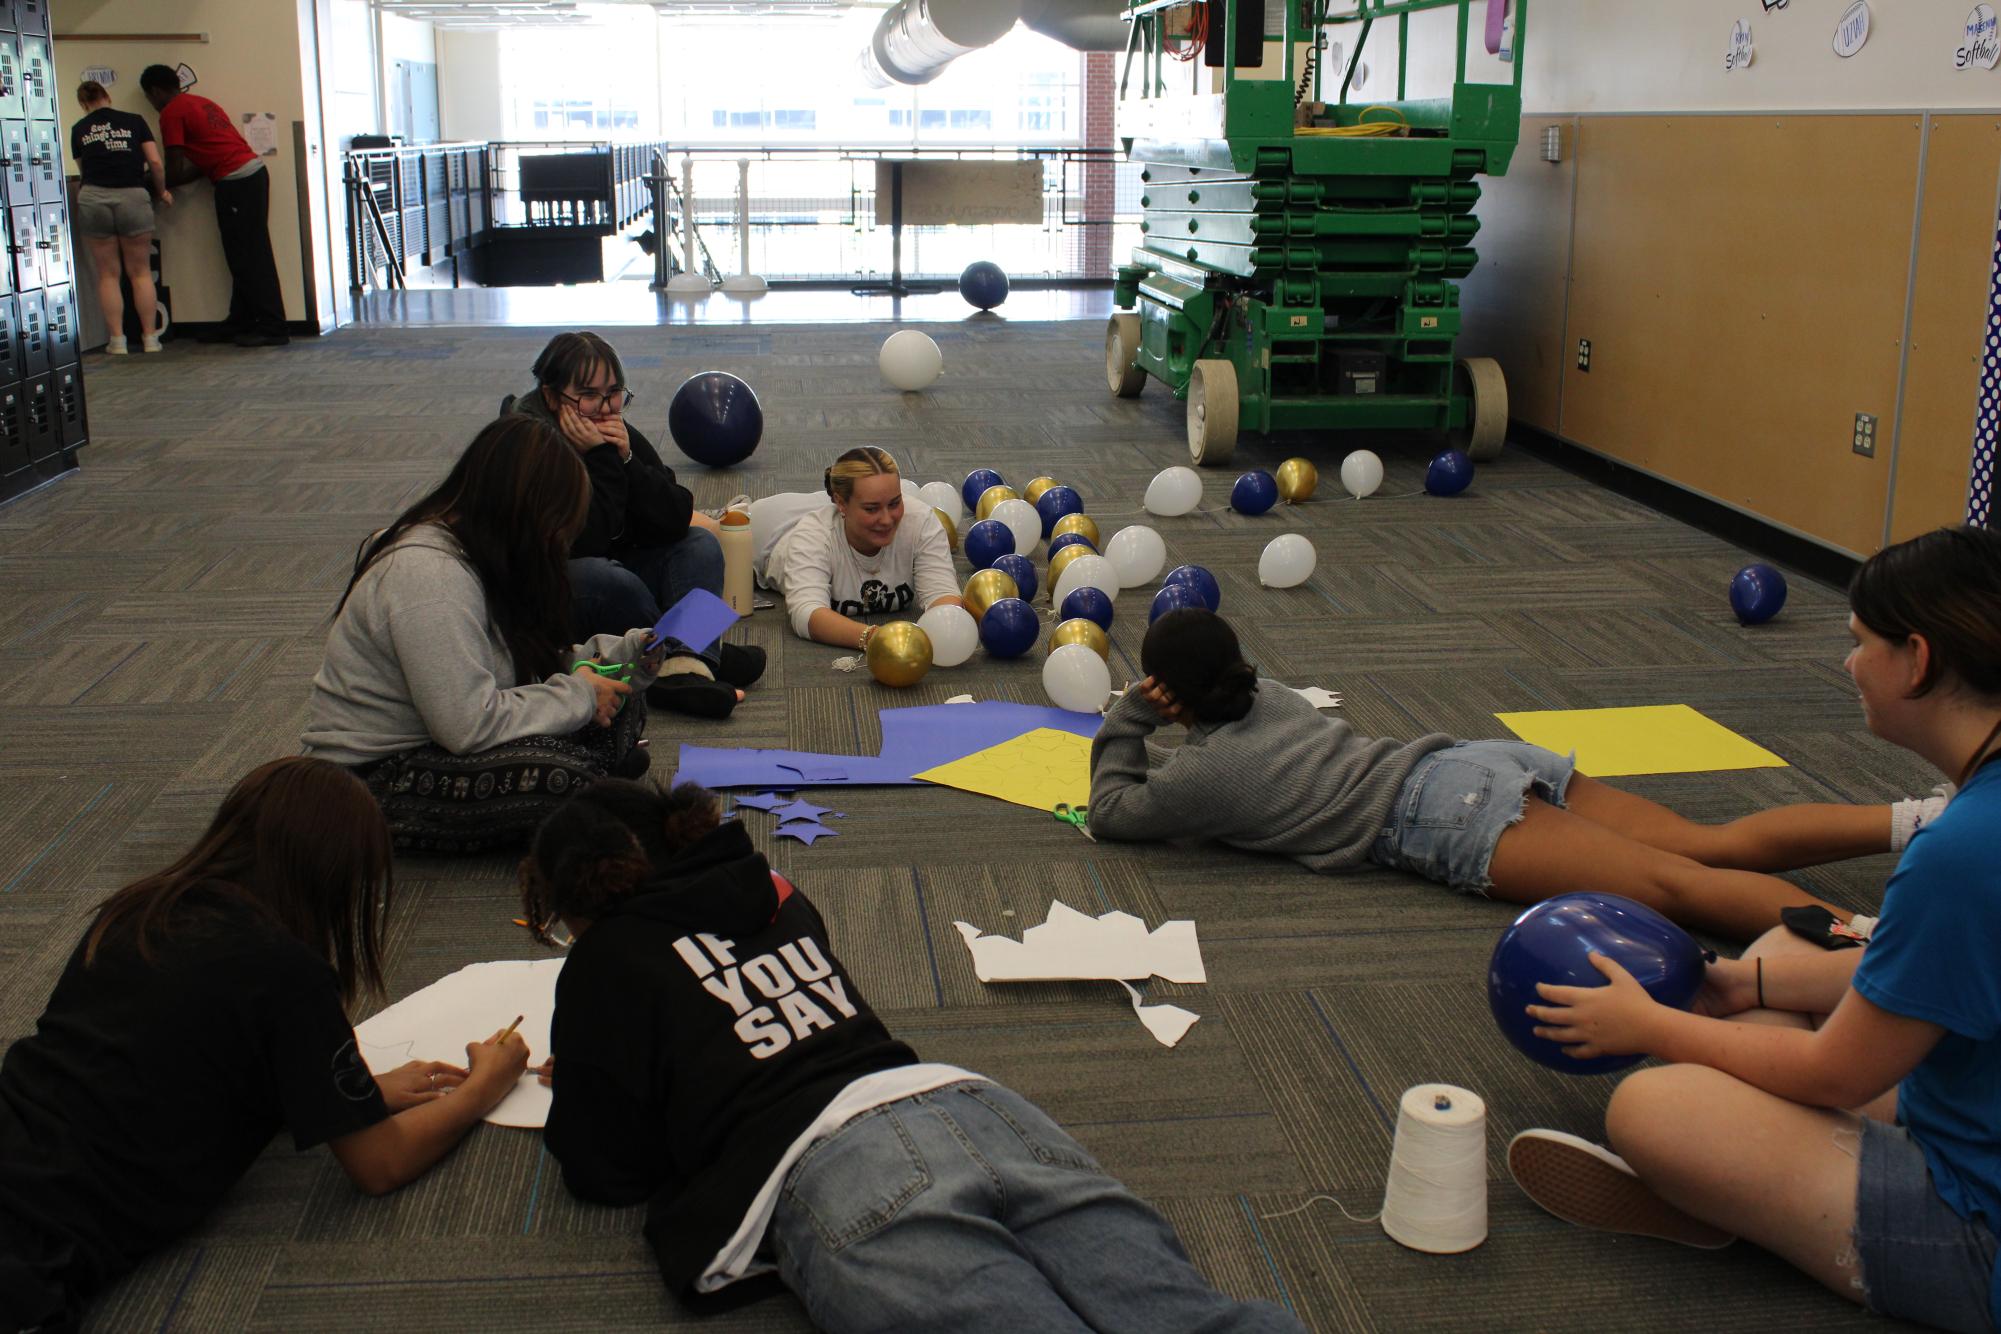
<point x="1853" y="30"/>
<point x="1741" y="51"/>
<point x="1982" y="43"/>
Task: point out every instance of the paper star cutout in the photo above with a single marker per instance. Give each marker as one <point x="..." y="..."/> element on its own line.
<point x="805" y="831"/>
<point x="764" y="801"/>
<point x="798" y="810"/>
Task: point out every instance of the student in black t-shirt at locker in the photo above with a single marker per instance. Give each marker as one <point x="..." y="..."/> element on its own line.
<point x="119" y="164"/>
<point x="202" y="1012"/>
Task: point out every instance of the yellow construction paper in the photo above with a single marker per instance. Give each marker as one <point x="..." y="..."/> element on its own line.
<point x="1037" y="769"/>
<point x="1653" y="739"/>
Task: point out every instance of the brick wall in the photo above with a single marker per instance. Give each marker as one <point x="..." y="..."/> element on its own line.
<point x="1100" y="185"/>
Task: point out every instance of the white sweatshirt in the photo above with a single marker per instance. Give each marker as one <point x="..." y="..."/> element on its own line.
<point x="803" y="554"/>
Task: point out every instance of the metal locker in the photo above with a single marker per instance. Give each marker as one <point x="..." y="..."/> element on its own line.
<point x="38" y="78"/>
<point x="59" y="325"/>
<point x="24" y="232"/>
<point x="12" y="103"/>
<point x="31" y="335"/>
<point x="10" y="345"/>
<point x="52" y="225"/>
<point x="38" y="418"/>
<point x="13" y="430"/>
<point x="32" y="15"/>
<point x="45" y="161"/>
<point x="17" y="174"/>
<point x="66" y="387"/>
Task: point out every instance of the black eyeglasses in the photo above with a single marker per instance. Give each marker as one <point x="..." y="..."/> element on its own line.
<point x="592" y="400"/>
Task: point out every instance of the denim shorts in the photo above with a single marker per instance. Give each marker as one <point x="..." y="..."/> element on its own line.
<point x="1453" y="807"/>
<point x="1920" y="1260"/>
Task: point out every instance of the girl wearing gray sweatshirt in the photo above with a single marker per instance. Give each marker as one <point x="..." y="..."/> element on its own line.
<point x="1264" y="770"/>
<point x="449" y="685"/>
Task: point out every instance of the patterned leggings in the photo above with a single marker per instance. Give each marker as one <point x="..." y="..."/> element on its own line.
<point x="439" y="802"/>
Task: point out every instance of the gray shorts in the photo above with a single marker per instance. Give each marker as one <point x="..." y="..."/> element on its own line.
<point x="1920" y="1260"/>
<point x="1457" y="802"/>
<point x="102" y="211"/>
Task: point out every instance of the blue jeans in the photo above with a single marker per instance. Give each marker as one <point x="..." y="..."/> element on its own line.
<point x="1456" y="804"/>
<point x="610" y="597"/>
<point x="1920" y="1260"/>
<point x="968" y="1209"/>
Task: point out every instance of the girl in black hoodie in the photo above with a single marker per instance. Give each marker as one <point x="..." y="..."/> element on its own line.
<point x="719" y="1063"/>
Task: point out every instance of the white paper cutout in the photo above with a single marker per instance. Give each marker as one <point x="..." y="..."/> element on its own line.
<point x="1318" y="698"/>
<point x="1073" y="947"/>
<point x="1981" y="43"/>
<point x="960" y="699"/>
<point x="1168" y="1023"/>
<point x="471" y="1005"/>
<point x="1852" y="33"/>
<point x="1741" y="52"/>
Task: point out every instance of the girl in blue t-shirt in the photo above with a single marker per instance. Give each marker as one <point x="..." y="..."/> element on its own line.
<point x="1840" y="1109"/>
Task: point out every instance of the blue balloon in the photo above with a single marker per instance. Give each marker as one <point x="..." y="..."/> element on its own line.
<point x="978" y="480"/>
<point x="1757" y="594"/>
<point x="1254" y="493"/>
<point x="1093" y="604"/>
<point x="1010" y="628"/>
<point x="983" y="284"/>
<point x="1550" y="942"/>
<point x="1174" y="597"/>
<point x="1018" y="568"/>
<point x="715" y="419"/>
<point x="1063" y="540"/>
<point x="1198" y="579"/>
<point x="1056" y="502"/>
<point x="1451" y="472"/>
<point x="987" y="541"/>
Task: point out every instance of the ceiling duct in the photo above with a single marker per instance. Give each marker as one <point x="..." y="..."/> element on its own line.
<point x="1086" y="25"/>
<point x="918" y="38"/>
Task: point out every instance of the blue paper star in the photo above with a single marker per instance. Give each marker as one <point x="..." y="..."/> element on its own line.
<point x="799" y="810"/>
<point x="805" y="831"/>
<point x="764" y="801"/>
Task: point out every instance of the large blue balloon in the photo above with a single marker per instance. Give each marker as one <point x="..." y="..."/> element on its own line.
<point x="1550" y="943"/>
<point x="1451" y="472"/>
<point x="1010" y="628"/>
<point x="715" y="419"/>
<point x="1254" y="493"/>
<point x="1056" y="502"/>
<point x="978" y="480"/>
<point x="983" y="284"/>
<point x="1198" y="579"/>
<point x="987" y="541"/>
<point x="1174" y="597"/>
<point x="1093" y="604"/>
<point x="1062" y="540"/>
<point x="1016" y="567"/>
<point x="1757" y="594"/>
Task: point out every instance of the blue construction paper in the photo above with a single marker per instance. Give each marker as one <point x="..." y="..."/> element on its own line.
<point x="696" y="621"/>
<point x="805" y="831"/>
<point x="764" y="801"/>
<point x="800" y="810"/>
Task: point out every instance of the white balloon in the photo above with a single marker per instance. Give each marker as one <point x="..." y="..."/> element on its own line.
<point x="1287" y="561"/>
<point x="954" y="634"/>
<point x="1173" y="491"/>
<point x="1361" y="473"/>
<point x="1137" y="554"/>
<point x="1092" y="571"/>
<point x="944" y="496"/>
<point x="910" y="360"/>
<point x="1021" y="520"/>
<point x="1077" y="679"/>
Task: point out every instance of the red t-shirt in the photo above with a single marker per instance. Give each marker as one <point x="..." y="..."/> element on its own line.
<point x="201" y="129"/>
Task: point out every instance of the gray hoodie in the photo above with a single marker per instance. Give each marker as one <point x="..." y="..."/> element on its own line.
<point x="412" y="660"/>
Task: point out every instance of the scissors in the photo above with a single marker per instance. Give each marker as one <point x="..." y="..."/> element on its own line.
<point x="616" y="671"/>
<point x="1077" y="817"/>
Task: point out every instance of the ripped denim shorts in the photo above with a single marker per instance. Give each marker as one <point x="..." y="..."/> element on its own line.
<point x="1456" y="803"/>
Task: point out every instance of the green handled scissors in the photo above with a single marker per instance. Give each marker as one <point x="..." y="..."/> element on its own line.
<point x="1077" y="817"/>
<point x="617" y="671"/>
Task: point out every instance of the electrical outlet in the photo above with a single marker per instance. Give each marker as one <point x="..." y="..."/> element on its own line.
<point x="1865" y="435"/>
<point x="1584" y="354"/>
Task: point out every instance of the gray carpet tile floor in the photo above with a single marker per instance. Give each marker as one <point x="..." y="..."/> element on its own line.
<point x="164" y="610"/>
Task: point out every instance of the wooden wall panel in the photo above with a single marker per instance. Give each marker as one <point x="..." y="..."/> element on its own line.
<point x="1513" y="301"/>
<point x="1948" y="316"/>
<point x="1742" y="281"/>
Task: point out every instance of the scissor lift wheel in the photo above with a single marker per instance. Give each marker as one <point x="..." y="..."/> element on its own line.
<point x="1212" y="412"/>
<point x="1122" y="373"/>
<point x="1487" y="429"/>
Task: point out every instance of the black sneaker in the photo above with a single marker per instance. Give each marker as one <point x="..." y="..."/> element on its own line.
<point x="741" y="665"/>
<point x="691" y="694"/>
<point x="633" y="764"/>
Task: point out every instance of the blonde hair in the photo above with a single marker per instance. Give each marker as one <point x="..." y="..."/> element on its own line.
<point x="862" y="461"/>
<point x="90" y="90"/>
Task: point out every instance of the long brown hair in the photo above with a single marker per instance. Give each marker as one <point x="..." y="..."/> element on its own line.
<point x="1946" y="586"/>
<point x="299" y="839"/>
<point x="515" y="501"/>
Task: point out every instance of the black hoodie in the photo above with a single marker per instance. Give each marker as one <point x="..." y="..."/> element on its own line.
<point x="701" y="1026"/>
<point x="635" y="502"/>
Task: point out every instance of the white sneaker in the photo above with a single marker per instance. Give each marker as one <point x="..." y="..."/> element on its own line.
<point x="149" y="344"/>
<point x="1584" y="1184"/>
<point x="1909" y="816"/>
<point x="116" y="346"/>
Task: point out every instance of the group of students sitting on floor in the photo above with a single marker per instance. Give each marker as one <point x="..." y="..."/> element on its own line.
<point x="719" y="1062"/>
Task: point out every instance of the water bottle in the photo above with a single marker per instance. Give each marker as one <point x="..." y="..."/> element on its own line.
<point x="738" y="552"/>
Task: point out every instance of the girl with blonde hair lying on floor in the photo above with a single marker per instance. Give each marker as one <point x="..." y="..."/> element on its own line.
<point x="1262" y="769"/>
<point x="1842" y="1110"/>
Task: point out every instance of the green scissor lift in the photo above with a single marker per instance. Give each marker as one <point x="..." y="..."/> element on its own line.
<point x="1292" y="277"/>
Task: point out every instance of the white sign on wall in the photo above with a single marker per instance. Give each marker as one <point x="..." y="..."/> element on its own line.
<point x="1853" y="31"/>
<point x="1741" y="52"/>
<point x="1981" y="44"/>
<point x="107" y="76"/>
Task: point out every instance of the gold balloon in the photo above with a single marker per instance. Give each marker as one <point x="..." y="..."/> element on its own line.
<point x="1061" y="562"/>
<point x="993" y="496"/>
<point x="1297" y="479"/>
<point x="1033" y="491"/>
<point x="1081" y="630"/>
<point x="899" y="654"/>
<point x="1076" y="523"/>
<point x="951" y="529"/>
<point x="988" y="587"/>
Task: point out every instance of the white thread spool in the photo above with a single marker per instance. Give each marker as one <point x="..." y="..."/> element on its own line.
<point x="1436" y="1198"/>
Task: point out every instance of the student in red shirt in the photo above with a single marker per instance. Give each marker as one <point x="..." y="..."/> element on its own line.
<point x="201" y="141"/>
